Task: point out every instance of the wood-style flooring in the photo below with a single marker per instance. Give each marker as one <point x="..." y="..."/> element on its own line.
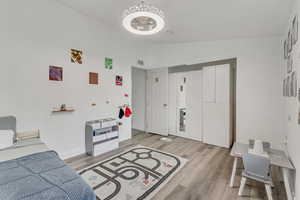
<point x="205" y="177"/>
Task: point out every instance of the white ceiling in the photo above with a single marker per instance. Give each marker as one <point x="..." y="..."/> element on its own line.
<point x="197" y="20"/>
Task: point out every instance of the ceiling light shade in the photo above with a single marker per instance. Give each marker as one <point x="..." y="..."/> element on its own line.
<point x="143" y="19"/>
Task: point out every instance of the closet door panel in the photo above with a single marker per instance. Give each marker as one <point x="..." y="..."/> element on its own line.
<point x="172" y="103"/>
<point x="209" y="84"/>
<point x="223" y="84"/>
<point x="216" y="124"/>
<point x="194" y="105"/>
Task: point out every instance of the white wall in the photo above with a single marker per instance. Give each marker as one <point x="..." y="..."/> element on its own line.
<point x="259" y="94"/>
<point x="39" y="33"/>
<point x="139" y="98"/>
<point x="292" y="105"/>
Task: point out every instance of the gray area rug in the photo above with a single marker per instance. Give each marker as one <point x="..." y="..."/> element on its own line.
<point x="138" y="173"/>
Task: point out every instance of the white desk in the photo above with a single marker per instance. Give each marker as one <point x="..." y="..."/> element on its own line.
<point x="277" y="158"/>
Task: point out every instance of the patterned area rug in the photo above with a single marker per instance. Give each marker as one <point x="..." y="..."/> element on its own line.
<point x="136" y="174"/>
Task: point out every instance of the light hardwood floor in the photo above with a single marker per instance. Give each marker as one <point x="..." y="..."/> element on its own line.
<point x="205" y="177"/>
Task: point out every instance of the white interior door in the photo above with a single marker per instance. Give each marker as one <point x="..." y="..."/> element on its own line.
<point x="157" y="101"/>
<point x="194" y="105"/>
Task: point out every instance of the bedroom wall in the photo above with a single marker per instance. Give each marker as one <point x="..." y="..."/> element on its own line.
<point x="39" y="33"/>
<point x="260" y="105"/>
<point x="292" y="105"/>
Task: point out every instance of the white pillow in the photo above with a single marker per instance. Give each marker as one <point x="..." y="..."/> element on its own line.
<point x="6" y="138"/>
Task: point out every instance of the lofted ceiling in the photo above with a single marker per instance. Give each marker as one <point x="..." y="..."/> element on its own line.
<point x="196" y="20"/>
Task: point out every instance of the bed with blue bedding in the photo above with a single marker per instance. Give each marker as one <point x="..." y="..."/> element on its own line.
<point x="30" y="171"/>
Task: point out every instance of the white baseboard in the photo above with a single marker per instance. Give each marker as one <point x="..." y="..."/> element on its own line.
<point x="71" y="153"/>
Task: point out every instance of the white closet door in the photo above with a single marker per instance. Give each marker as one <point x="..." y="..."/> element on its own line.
<point x="194" y="105"/>
<point x="209" y="84"/>
<point x="172" y="103"/>
<point x="216" y="114"/>
<point x="223" y="84"/>
<point x="157" y="101"/>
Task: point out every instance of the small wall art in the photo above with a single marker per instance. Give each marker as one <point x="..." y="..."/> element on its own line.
<point x="289" y="64"/>
<point x="108" y="63"/>
<point x="285" y="50"/>
<point x="288" y="84"/>
<point x="55" y="73"/>
<point x="284" y="87"/>
<point x="294" y="84"/>
<point x="295" y="30"/>
<point x="119" y="80"/>
<point x="299" y="116"/>
<point x="76" y="56"/>
<point x="93" y="78"/>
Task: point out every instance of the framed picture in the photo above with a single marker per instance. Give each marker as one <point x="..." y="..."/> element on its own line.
<point x="108" y="63"/>
<point x="119" y="80"/>
<point x="289" y="64"/>
<point x="55" y="73"/>
<point x="294" y="84"/>
<point x="76" y="56"/>
<point x="283" y="87"/>
<point x="290" y="42"/>
<point x="285" y="50"/>
<point x="93" y="78"/>
<point x="288" y="89"/>
<point x="295" y="30"/>
<point x="299" y="116"/>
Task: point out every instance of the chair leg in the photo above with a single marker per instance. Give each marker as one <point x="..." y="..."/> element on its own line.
<point x="243" y="183"/>
<point x="269" y="191"/>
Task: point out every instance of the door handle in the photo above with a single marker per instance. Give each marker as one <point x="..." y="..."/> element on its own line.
<point x="165" y="105"/>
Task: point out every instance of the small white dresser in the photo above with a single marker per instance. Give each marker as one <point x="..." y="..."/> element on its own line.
<point x="101" y="136"/>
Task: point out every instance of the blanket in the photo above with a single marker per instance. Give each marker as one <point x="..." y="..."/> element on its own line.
<point x="41" y="176"/>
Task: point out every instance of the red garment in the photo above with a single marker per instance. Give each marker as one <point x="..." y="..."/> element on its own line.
<point x="128" y="112"/>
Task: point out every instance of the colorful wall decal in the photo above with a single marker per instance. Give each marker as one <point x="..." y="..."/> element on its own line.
<point x="108" y="63"/>
<point x="76" y="56"/>
<point x="55" y="73"/>
<point x="119" y="80"/>
<point x="93" y="78"/>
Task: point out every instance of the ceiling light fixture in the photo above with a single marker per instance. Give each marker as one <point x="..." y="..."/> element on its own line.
<point x="143" y="19"/>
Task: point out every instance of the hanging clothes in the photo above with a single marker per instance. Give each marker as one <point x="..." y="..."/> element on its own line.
<point x="121" y="113"/>
<point x="128" y="112"/>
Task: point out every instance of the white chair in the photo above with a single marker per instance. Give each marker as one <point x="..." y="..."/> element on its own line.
<point x="257" y="168"/>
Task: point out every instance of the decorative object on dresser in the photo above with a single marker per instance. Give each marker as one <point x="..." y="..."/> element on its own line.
<point x="101" y="136"/>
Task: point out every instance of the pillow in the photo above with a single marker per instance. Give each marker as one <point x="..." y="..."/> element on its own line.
<point x="6" y="138"/>
<point x="27" y="135"/>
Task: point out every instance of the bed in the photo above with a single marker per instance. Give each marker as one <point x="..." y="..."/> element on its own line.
<point x="29" y="170"/>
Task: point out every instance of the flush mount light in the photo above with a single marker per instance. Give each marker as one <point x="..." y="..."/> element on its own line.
<point x="143" y="19"/>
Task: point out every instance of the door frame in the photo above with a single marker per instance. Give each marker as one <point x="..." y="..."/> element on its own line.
<point x="145" y="103"/>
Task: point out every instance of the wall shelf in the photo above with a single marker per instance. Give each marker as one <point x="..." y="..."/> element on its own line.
<point x="63" y="111"/>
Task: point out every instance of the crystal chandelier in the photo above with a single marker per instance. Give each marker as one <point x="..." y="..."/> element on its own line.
<point x="143" y="19"/>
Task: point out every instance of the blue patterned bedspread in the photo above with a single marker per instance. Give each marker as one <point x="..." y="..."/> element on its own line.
<point x="41" y="176"/>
